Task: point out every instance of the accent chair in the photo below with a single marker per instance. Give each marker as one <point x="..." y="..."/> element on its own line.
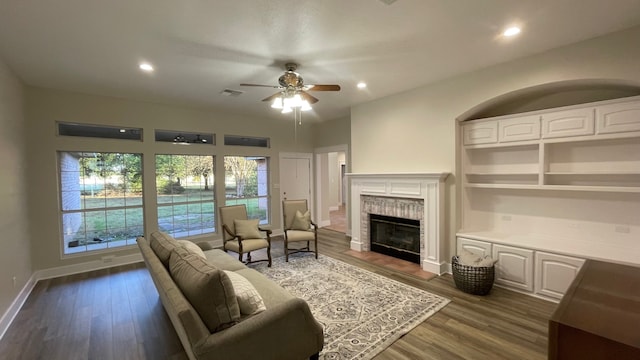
<point x="298" y="227"/>
<point x="243" y="235"/>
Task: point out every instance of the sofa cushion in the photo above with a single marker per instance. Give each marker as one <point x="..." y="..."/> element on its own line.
<point x="272" y="294"/>
<point x="223" y="261"/>
<point x="208" y="289"/>
<point x="192" y="248"/>
<point x="162" y="244"/>
<point x="301" y="221"/>
<point x="249" y="300"/>
<point x="247" y="229"/>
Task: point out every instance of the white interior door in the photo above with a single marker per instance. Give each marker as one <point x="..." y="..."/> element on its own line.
<point x="295" y="178"/>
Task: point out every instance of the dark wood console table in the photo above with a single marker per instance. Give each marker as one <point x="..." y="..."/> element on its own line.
<point x="599" y="316"/>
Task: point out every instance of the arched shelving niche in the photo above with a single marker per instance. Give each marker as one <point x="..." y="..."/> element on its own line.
<point x="552" y="95"/>
<point x="550" y="176"/>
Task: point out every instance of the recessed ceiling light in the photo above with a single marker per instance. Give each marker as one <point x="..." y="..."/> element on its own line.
<point x="146" y="67"/>
<point x="123" y="130"/>
<point x="512" y="31"/>
<point x="361" y="85"/>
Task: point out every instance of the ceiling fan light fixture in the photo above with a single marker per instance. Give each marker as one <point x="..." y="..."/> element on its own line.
<point x="277" y="103"/>
<point x="305" y="106"/>
<point x="286" y="109"/>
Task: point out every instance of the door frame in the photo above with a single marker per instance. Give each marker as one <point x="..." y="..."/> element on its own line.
<point x="318" y="189"/>
<point x="296" y="155"/>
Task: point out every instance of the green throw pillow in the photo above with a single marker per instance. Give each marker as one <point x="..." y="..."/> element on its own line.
<point x="247" y="229"/>
<point x="301" y="221"/>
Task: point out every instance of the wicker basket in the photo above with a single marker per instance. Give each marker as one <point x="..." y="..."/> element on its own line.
<point x="476" y="280"/>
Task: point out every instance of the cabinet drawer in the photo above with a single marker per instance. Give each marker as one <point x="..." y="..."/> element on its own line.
<point x="616" y="118"/>
<point x="477" y="247"/>
<point x="519" y="129"/>
<point x="514" y="267"/>
<point x="480" y="133"/>
<point x="568" y="123"/>
<point x="554" y="273"/>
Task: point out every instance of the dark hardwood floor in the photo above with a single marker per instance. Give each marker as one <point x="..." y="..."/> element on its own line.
<point x="116" y="314"/>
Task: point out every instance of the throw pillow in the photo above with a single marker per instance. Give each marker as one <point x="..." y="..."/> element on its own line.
<point x="301" y="221"/>
<point x="192" y="248"/>
<point x="249" y="299"/>
<point x="162" y="244"/>
<point x="208" y="289"/>
<point x="247" y="229"/>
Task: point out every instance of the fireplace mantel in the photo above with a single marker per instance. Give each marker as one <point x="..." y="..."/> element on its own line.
<point x="428" y="187"/>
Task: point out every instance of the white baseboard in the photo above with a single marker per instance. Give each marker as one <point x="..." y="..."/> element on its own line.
<point x="87" y="266"/>
<point x="16" y="305"/>
<point x="324" y="223"/>
<point x="334" y="208"/>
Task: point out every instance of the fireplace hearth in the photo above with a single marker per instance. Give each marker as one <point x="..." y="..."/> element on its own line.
<point x="397" y="237"/>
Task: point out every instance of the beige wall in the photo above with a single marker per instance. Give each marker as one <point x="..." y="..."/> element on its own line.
<point x="14" y="226"/>
<point x="332" y="132"/>
<point x="416" y="131"/>
<point x="45" y="107"/>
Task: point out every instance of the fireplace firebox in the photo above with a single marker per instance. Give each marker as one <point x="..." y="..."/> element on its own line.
<point x="397" y="237"/>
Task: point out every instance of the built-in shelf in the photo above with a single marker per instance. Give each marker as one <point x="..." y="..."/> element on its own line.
<point x="546" y="190"/>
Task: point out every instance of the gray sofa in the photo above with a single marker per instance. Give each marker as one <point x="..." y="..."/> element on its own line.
<point x="208" y="322"/>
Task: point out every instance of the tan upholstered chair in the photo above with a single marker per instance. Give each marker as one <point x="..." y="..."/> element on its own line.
<point x="294" y="228"/>
<point x="242" y="235"/>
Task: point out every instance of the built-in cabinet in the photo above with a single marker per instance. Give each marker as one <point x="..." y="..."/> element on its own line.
<point x="529" y="167"/>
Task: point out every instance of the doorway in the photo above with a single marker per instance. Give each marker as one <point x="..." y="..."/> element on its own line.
<point x="332" y="188"/>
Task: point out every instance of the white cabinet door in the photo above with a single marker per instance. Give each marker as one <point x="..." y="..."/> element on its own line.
<point x="616" y="118"/>
<point x="514" y="267"/>
<point x="485" y="132"/>
<point x="519" y="129"/>
<point x="568" y="123"/>
<point x="477" y="247"/>
<point x="554" y="273"/>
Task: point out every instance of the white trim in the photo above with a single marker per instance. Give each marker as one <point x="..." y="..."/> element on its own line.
<point x="87" y="266"/>
<point x="324" y="223"/>
<point x="318" y="190"/>
<point x="334" y="208"/>
<point x="16" y="305"/>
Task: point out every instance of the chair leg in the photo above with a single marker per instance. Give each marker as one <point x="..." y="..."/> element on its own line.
<point x="316" y="245"/>
<point x="269" y="255"/>
<point x="240" y="257"/>
<point x="286" y="251"/>
<point x="249" y="257"/>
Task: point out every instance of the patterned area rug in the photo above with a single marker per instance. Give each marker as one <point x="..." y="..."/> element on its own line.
<point x="362" y="313"/>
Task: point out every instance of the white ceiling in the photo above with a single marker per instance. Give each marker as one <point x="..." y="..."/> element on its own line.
<point x="200" y="48"/>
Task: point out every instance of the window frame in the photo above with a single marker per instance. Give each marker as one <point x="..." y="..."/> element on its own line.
<point x="66" y="195"/>
<point x="212" y="200"/>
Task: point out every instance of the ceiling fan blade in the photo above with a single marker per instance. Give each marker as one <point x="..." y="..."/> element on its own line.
<point x="269" y="86"/>
<point x="323" y="87"/>
<point x="270" y="98"/>
<point x="308" y="97"/>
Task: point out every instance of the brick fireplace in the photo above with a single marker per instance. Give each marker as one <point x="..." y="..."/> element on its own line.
<point x="415" y="196"/>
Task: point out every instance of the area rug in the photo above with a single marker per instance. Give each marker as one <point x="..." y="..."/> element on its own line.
<point x="362" y="313"/>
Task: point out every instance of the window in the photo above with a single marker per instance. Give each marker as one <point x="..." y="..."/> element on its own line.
<point x="246" y="182"/>
<point x="101" y="200"/>
<point x="246" y="141"/>
<point x="99" y="131"/>
<point x="185" y="191"/>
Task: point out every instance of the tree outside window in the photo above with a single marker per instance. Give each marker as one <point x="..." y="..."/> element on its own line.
<point x="185" y="194"/>
<point x="246" y="182"/>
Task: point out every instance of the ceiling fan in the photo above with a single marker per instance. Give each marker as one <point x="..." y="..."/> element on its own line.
<point x="293" y="88"/>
